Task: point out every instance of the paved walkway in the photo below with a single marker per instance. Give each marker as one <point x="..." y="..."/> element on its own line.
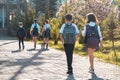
<point x="48" y="65"/>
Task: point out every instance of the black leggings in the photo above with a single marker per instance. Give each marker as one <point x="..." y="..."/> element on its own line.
<point x="21" y="40"/>
<point x="69" y="55"/>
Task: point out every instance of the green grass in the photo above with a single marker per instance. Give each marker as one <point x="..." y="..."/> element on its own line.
<point x="106" y="57"/>
<point x="110" y="57"/>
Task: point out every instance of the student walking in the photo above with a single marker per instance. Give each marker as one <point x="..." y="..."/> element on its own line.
<point x="46" y="31"/>
<point x="35" y="31"/>
<point x="93" y="37"/>
<point x="68" y="35"/>
<point x="21" y="35"/>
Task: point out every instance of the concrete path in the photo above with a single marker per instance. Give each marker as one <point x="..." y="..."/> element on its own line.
<point x="39" y="64"/>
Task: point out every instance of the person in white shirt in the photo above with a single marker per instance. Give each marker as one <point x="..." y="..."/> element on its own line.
<point x="93" y="37"/>
<point x="34" y="32"/>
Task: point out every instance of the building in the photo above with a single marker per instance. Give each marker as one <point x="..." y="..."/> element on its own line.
<point x="8" y="9"/>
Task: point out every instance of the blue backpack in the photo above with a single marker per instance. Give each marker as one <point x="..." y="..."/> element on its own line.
<point x="92" y="33"/>
<point x="69" y="34"/>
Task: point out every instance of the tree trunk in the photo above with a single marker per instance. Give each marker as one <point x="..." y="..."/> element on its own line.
<point x="113" y="44"/>
<point x="47" y="9"/>
<point x="55" y="42"/>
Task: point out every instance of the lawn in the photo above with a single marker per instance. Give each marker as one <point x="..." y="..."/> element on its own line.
<point x="106" y="57"/>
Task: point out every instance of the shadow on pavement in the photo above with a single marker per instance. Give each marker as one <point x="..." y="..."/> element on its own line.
<point x="16" y="51"/>
<point x="70" y="77"/>
<point x="3" y="61"/>
<point x="32" y="49"/>
<point x="37" y="49"/>
<point x="7" y="43"/>
<point x="25" y="63"/>
<point x="95" y="77"/>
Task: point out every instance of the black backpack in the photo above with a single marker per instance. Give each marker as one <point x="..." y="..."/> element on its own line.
<point x="35" y="30"/>
<point x="69" y="34"/>
<point x="47" y="32"/>
<point x="21" y="33"/>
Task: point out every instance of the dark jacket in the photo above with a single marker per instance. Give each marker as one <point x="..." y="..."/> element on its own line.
<point x="21" y="33"/>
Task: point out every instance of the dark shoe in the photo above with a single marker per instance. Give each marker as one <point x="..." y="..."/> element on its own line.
<point x="34" y="46"/>
<point x="47" y="49"/>
<point x="19" y="48"/>
<point x="46" y="46"/>
<point x="23" y="47"/>
<point x="70" y="72"/>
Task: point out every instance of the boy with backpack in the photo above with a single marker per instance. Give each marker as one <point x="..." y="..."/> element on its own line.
<point x="68" y="34"/>
<point x="35" y="31"/>
<point x="21" y="34"/>
<point x="93" y="38"/>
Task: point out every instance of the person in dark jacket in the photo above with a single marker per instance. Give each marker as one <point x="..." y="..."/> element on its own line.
<point x="21" y="35"/>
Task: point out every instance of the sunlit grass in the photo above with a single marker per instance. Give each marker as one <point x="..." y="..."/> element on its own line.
<point x="110" y="57"/>
<point x="107" y="57"/>
<point x="59" y="46"/>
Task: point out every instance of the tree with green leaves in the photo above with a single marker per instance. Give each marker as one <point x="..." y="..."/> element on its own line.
<point x="111" y="25"/>
<point x="55" y="26"/>
<point x="27" y="20"/>
<point x="99" y="7"/>
<point x="118" y="8"/>
<point x="46" y="6"/>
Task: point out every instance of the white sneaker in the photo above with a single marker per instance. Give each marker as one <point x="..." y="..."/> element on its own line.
<point x="91" y="70"/>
